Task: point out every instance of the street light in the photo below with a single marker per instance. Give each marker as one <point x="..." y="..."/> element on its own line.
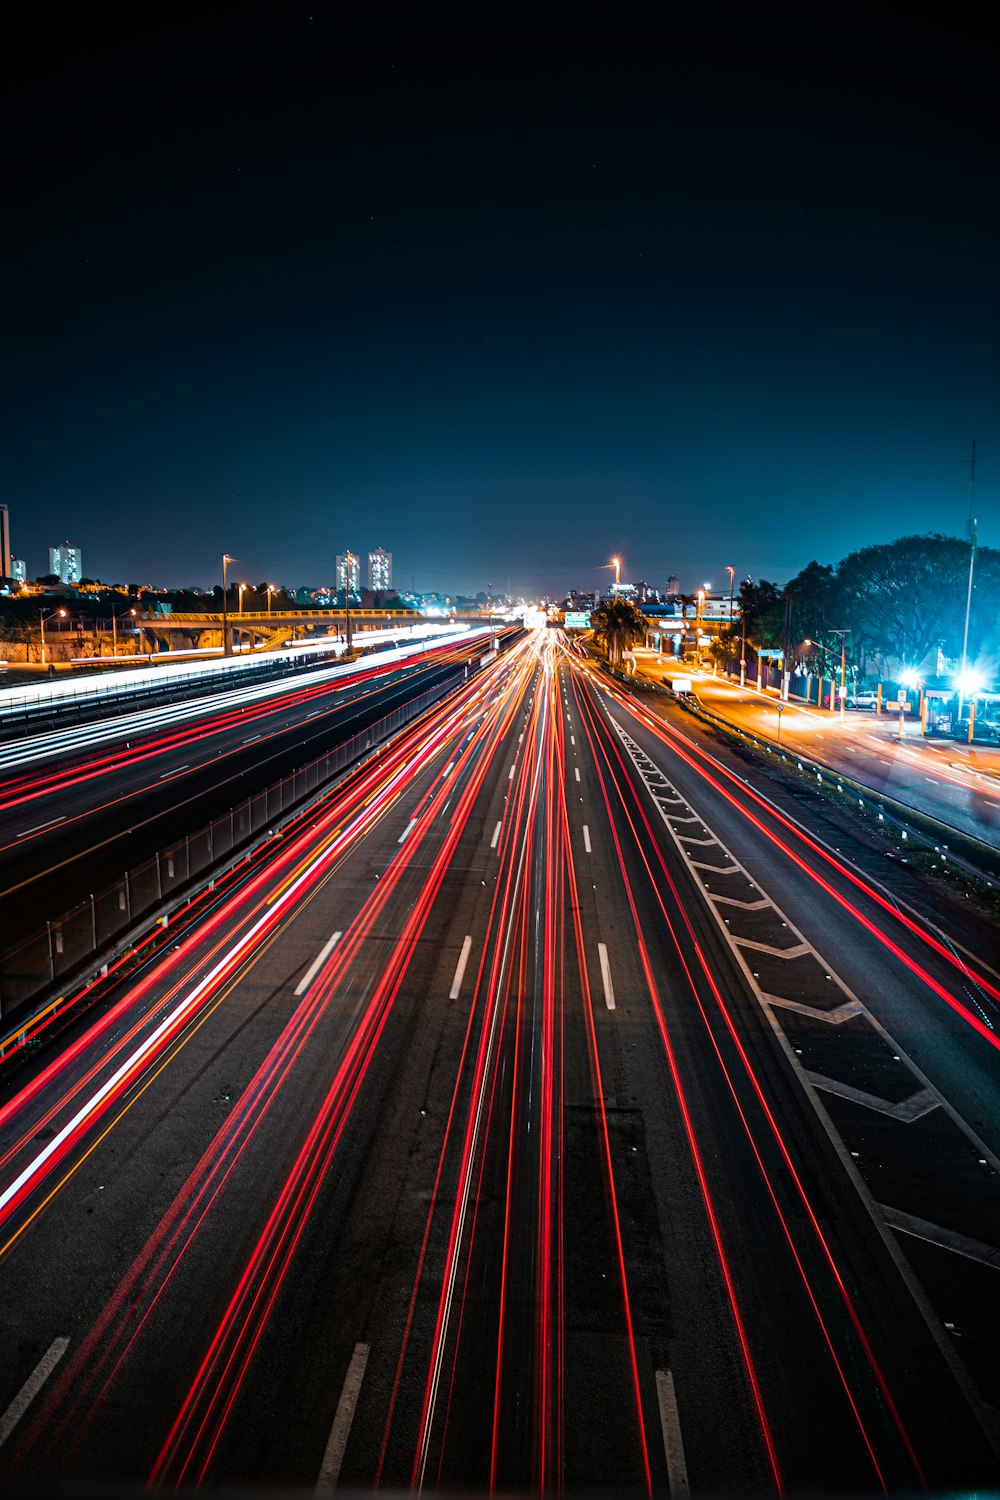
<point x="42" y="617"/>
<point x="227" y="645"/>
<point x="616" y="564"/>
<point x="843" y="671"/>
<point x="271" y="590"/>
<point x="241" y="590"/>
<point x="114" y="628"/>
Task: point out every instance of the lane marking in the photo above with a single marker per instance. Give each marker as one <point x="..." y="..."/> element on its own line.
<point x="511" y="776"/>
<point x="572" y="740"/>
<point x="586" y="838"/>
<point x="609" y="989"/>
<point x="317" y="963"/>
<point x="253" y="739"/>
<point x="496" y="836"/>
<point x="923" y="1229"/>
<point x="39" y="826"/>
<point x="918" y="1104"/>
<point x="463" y="959"/>
<point x="448" y="768"/>
<point x="329" y="1471"/>
<point x="673" y="1443"/>
<point x="31" y="1387"/>
<point x="176" y="771"/>
<point x="407" y="831"/>
<point x="577" y="770"/>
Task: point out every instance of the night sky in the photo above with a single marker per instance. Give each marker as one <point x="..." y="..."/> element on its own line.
<point x="505" y="297"/>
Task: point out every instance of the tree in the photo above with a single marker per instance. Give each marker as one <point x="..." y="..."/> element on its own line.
<point x="904" y="599"/>
<point x="618" y="623"/>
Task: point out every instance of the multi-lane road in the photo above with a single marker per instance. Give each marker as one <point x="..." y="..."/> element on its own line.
<point x="949" y="780"/>
<point x="79" y="804"/>
<point x="551" y="1108"/>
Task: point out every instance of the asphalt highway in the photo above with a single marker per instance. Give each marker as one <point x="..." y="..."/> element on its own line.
<point x="80" y="805"/>
<point x="485" y="1135"/>
<point x="956" y="783"/>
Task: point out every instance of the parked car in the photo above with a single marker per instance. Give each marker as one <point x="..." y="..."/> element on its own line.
<point x="863" y="700"/>
<point x="984" y="729"/>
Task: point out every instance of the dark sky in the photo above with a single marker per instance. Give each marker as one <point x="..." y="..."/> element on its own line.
<point x="502" y="296"/>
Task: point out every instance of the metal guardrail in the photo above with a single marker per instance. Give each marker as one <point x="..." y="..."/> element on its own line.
<point x="59" y="951"/>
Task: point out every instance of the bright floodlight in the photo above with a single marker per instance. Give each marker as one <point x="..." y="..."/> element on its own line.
<point x="969" y="682"/>
<point x="909" y="678"/>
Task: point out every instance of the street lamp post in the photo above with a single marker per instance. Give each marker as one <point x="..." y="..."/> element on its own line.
<point x="347" y="600"/>
<point x="271" y="591"/>
<point x="227" y="645"/>
<point x="732" y="579"/>
<point x="241" y="590"/>
<point x="843" y="671"/>
<point x="42" y="617"/>
<point x="616" y="562"/>
<point x="697" y="627"/>
<point x="114" y="629"/>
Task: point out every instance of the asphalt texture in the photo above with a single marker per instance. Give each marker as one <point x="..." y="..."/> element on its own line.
<point x="71" y="825"/>
<point x="449" y="1141"/>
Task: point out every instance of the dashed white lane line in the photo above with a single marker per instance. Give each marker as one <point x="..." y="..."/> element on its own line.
<point x="586" y="838"/>
<point x="341" y="1430"/>
<point x="39" y="826"/>
<point x="407" y="831"/>
<point x="31" y="1387"/>
<point x="673" y="1444"/>
<point x="175" y="772"/>
<point x="609" y="989"/>
<point x="496" y="836"/>
<point x="572" y="739"/>
<point x="463" y="959"/>
<point x="511" y="776"/>
<point x="577" y="770"/>
<point x="317" y="963"/>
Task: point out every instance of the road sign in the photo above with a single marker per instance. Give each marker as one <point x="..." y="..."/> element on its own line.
<point x="577" y="619"/>
<point x="770" y="651"/>
<point x="898" y="706"/>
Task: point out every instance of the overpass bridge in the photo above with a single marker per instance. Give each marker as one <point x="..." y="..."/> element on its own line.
<point x="263" y="630"/>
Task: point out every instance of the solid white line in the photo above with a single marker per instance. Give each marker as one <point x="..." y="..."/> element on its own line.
<point x="586" y="838"/>
<point x="577" y="770"/>
<point x="463" y="959"/>
<point x="31" y="1387"/>
<point x="407" y="831"/>
<point x="609" y="989"/>
<point x="318" y="961"/>
<point x="673" y="1444"/>
<point x="496" y="836"/>
<point x="39" y="826"/>
<point x="341" y="1430"/>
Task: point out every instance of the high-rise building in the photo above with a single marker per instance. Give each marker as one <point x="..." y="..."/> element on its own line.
<point x="348" y="572"/>
<point x="380" y="570"/>
<point x="5" y="557"/>
<point x="66" y="561"/>
<point x="673" y="587"/>
<point x="19" y="570"/>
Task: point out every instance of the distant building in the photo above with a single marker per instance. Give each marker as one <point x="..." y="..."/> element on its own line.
<point x="673" y="587"/>
<point x="5" y="557"/>
<point x="66" y="562"/>
<point x="380" y="570"/>
<point x="348" y="572"/>
<point x="19" y="570"/>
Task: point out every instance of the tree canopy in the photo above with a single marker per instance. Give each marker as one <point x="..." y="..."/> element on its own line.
<point x="618" y="623"/>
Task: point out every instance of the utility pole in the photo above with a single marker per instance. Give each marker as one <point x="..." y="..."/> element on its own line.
<point x="972" y="563"/>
